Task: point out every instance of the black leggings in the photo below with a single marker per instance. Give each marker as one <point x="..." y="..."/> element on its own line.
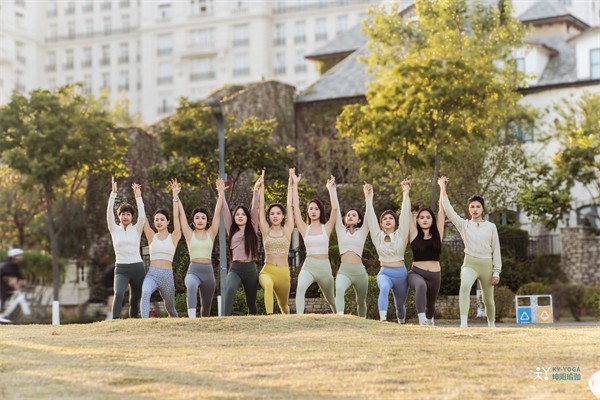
<point x="246" y="274"/>
<point x="426" y="285"/>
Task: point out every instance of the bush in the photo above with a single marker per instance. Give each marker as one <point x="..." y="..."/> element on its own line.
<point x="504" y="299"/>
<point x="451" y="263"/>
<point x="569" y="296"/>
<point x="532" y="288"/>
<point x="514" y="241"/>
<point x="592" y="301"/>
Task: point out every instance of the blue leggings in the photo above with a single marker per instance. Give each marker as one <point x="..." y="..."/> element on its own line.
<point x="396" y="280"/>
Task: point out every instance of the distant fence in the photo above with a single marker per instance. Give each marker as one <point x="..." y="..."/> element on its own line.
<point x="523" y="247"/>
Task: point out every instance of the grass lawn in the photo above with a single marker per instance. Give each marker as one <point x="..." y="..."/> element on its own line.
<point x="298" y="356"/>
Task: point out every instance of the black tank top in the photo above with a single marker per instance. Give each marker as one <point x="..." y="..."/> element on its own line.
<point x="427" y="251"/>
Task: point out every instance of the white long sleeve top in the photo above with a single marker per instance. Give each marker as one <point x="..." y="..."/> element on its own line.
<point x="354" y="242"/>
<point x="480" y="238"/>
<point x="393" y="250"/>
<point x="126" y="242"/>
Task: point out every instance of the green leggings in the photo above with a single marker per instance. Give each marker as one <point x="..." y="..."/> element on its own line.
<point x="315" y="270"/>
<point x="474" y="268"/>
<point x="356" y="276"/>
<point x="131" y="275"/>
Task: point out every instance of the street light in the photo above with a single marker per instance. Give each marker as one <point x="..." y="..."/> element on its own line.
<point x="217" y="110"/>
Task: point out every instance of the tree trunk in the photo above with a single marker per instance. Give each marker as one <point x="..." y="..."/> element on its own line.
<point x="53" y="238"/>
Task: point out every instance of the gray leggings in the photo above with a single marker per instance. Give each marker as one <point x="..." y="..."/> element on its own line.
<point x="356" y="276"/>
<point x="131" y="275"/>
<point x="246" y="274"/>
<point x="161" y="279"/>
<point x="426" y="285"/>
<point x="200" y="277"/>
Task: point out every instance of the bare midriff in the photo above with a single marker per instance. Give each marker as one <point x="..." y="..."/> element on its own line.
<point x="392" y="264"/>
<point x="202" y="260"/>
<point x="351" y="257"/>
<point x="278" y="260"/>
<point x="161" y="264"/>
<point x="431" y="266"/>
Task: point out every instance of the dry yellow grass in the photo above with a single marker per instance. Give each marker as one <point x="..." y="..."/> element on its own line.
<point x="303" y="357"/>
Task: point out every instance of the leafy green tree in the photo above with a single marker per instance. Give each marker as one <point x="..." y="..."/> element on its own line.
<point x="53" y="138"/>
<point x="442" y="95"/>
<point x="189" y="145"/>
<point x="577" y="130"/>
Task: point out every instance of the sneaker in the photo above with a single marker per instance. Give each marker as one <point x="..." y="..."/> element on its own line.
<point x="5" y="320"/>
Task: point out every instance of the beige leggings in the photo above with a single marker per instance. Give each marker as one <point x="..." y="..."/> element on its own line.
<point x="473" y="269"/>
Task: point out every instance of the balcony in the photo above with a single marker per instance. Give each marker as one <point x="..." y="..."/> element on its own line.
<point x="124" y="3"/>
<point x="70" y="10"/>
<point x="245" y="71"/>
<point x="280" y="70"/>
<point x="280" y="41"/>
<point x="164" y="51"/>
<point x="202" y="76"/>
<point x="123" y="87"/>
<point x="299" y="39"/>
<point x="89" y="7"/>
<point x="21" y="59"/>
<point x="68" y="65"/>
<point x="164" y="80"/>
<point x="123" y="59"/>
<point x="241" y="42"/>
<point x="321" y="36"/>
<point x="105" y="61"/>
<point x="51" y="13"/>
<point x="50" y="68"/>
<point x="86" y="63"/>
<point x="300" y="68"/>
<point x="106" y="6"/>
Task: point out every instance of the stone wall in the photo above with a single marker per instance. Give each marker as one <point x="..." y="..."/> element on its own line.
<point x="581" y="255"/>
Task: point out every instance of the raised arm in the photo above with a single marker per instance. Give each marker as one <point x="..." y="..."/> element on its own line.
<point x="148" y="231"/>
<point x="335" y="207"/>
<point x="255" y="196"/>
<point x="289" y="211"/>
<point x="226" y="215"/>
<point x="137" y="192"/>
<point x="452" y="215"/>
<point x="175" y="188"/>
<point x="340" y="228"/>
<point x="296" y="203"/>
<point x="370" y="217"/>
<point x="214" y="226"/>
<point x="405" y="212"/>
<point x="110" y="209"/>
<point x="262" y="215"/>
<point x="441" y="219"/>
<point x="185" y="227"/>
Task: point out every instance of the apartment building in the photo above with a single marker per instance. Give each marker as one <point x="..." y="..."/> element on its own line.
<point x="151" y="52"/>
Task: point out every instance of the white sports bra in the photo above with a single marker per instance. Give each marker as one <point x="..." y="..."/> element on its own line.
<point x="316" y="244"/>
<point x="162" y="249"/>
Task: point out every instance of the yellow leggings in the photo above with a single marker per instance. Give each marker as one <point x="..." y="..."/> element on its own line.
<point x="277" y="279"/>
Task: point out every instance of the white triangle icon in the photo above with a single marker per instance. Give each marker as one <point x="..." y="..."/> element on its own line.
<point x="544" y="315"/>
<point x="524" y="317"/>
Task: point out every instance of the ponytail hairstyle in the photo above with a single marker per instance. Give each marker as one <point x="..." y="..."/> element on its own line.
<point x="250" y="237"/>
<point x="435" y="233"/>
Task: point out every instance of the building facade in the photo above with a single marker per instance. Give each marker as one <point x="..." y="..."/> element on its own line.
<point x="151" y="52"/>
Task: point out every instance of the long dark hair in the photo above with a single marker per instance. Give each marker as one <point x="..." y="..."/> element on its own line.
<point x="250" y="237"/>
<point x="319" y="203"/>
<point x="271" y="206"/>
<point x="201" y="210"/>
<point x="419" y="245"/>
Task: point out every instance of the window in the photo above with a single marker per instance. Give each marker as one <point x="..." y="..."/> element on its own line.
<point x="69" y="80"/>
<point x="51" y="10"/>
<point x="521" y="130"/>
<point x="69" y="59"/>
<point x="124" y="3"/>
<point x="52" y="83"/>
<point x="123" y="81"/>
<point x="321" y="29"/>
<point x="241" y="35"/>
<point x="88" y="6"/>
<point x="123" y="53"/>
<point x="342" y="24"/>
<point x="595" y="63"/>
<point x="165" y="44"/>
<point x="106" y="5"/>
<point x="19" y="19"/>
<point x="51" y="62"/>
<point x="300" y="32"/>
<point x="202" y="68"/>
<point x="279" y="63"/>
<point x="107" y="26"/>
<point x="52" y="32"/>
<point x="70" y="9"/>
<point x="87" y="84"/>
<point x="165" y="73"/>
<point x="19" y="86"/>
<point x="20" y="52"/>
<point x="125" y="24"/>
<point x="203" y="37"/>
<point x="589" y="215"/>
<point x="105" y="81"/>
<point x="301" y="5"/>
<point x="89" y="27"/>
<point x="165" y="103"/>
<point x="164" y="11"/>
<point x="71" y="29"/>
<point x="520" y="64"/>
<point x="300" y="61"/>
<point x="241" y="64"/>
<point x="105" y="55"/>
<point x="87" y="57"/>
<point x="279" y="34"/>
<point x="199" y="7"/>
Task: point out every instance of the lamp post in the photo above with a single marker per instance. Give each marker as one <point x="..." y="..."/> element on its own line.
<point x="217" y="109"/>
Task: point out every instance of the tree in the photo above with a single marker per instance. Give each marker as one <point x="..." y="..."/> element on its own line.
<point x="577" y="131"/>
<point x="53" y="138"/>
<point x="442" y="95"/>
<point x="189" y="145"/>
